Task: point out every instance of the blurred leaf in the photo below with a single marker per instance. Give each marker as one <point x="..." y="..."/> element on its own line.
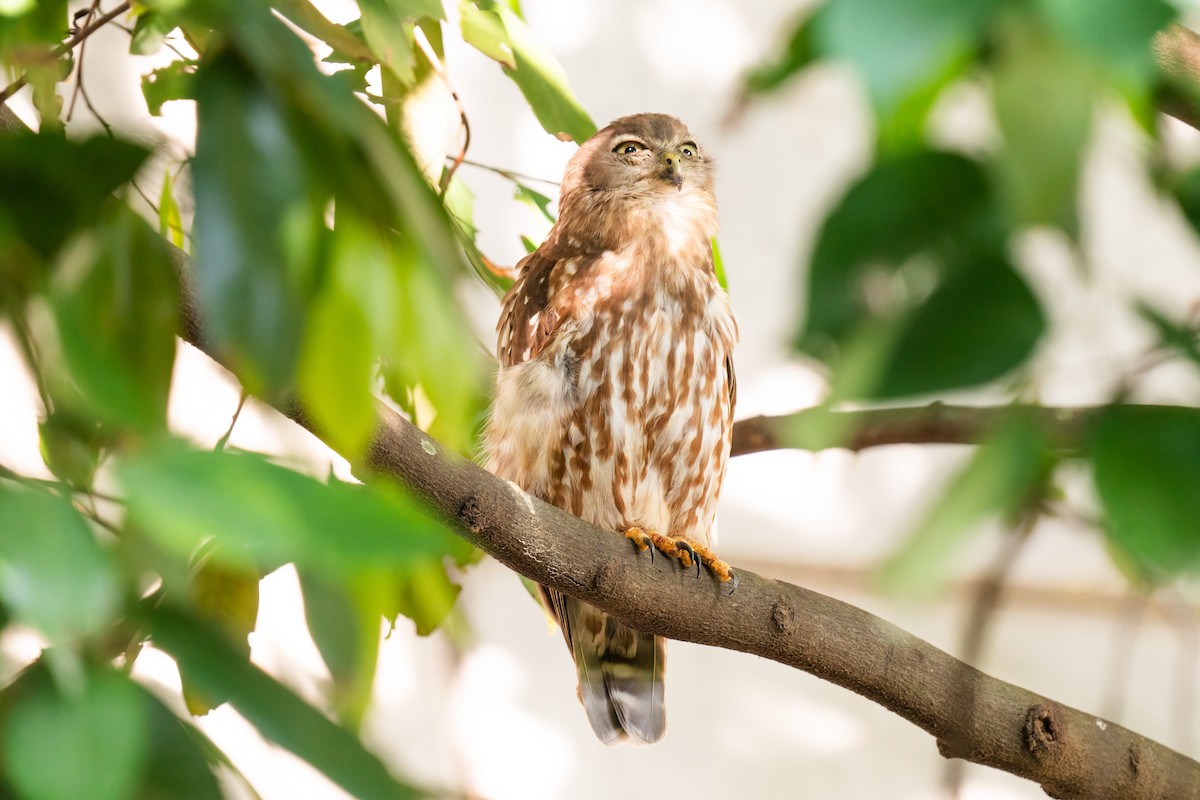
<point x="901" y="47"/>
<point x="277" y="713"/>
<point x="91" y="745"/>
<point x="979" y="324"/>
<point x="54" y="576"/>
<point x="170" y="221"/>
<point x="436" y="350"/>
<point x="497" y="31"/>
<point x="115" y="304"/>
<point x="388" y="28"/>
<point x="460" y="205"/>
<point x="176" y="764"/>
<point x="904" y="205"/>
<point x="1000" y="479"/>
<point x="337" y="366"/>
<point x="72" y="447"/>
<point x="150" y="31"/>
<point x="1043" y="97"/>
<point x="345" y="620"/>
<point x="425" y="594"/>
<point x="176" y="81"/>
<point x="43" y="21"/>
<point x="798" y="53"/>
<point x="1144" y="471"/>
<point x="227" y="599"/>
<point x="1185" y="340"/>
<point x="1117" y="33"/>
<point x="346" y="40"/>
<point x="51" y="187"/>
<point x="245" y="504"/>
<point x="1187" y="192"/>
<point x="256" y="215"/>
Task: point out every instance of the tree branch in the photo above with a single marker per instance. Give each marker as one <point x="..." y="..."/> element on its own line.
<point x="817" y="428"/>
<point x="1177" y="53"/>
<point x="1070" y="753"/>
<point x="78" y="37"/>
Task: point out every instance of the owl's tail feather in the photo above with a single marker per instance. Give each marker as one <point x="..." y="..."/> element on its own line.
<point x="620" y="670"/>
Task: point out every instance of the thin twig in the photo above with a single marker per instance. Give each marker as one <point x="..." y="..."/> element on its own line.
<point x="79" y="37"/>
<point x="237" y="412"/>
<point x="436" y="65"/>
<point x="515" y="177"/>
<point x="91" y="12"/>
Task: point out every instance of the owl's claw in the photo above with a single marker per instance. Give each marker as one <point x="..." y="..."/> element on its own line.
<point x="688" y="552"/>
<point x="687" y="549"/>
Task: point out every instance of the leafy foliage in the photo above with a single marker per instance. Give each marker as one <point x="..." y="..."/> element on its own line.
<point x="326" y="265"/>
<point x="328" y="253"/>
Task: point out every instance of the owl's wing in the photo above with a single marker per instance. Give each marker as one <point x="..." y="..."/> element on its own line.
<point x="527" y="316"/>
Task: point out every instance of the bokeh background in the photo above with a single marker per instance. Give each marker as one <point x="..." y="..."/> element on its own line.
<point x="491" y="711"/>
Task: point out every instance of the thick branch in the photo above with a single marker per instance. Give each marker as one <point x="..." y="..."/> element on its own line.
<point x="1070" y="753"/>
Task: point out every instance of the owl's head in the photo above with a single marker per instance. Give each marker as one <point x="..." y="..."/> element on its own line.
<point x="644" y="155"/>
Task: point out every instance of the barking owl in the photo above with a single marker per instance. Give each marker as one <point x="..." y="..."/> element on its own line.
<point x="615" y="395"/>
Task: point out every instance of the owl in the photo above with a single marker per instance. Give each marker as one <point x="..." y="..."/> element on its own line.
<point x="614" y="399"/>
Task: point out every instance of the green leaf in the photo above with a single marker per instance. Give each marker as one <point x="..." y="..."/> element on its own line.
<point x="460" y="205"/>
<point x="345" y="621"/>
<point x="274" y="710"/>
<point x="72" y="446"/>
<point x="1000" y="479"/>
<point x="901" y="47"/>
<point x="979" y="324"/>
<point x="1043" y="96"/>
<point x="337" y="368"/>
<point x="719" y="264"/>
<point x="1185" y="340"/>
<point x="228" y="600"/>
<point x="535" y="200"/>
<point x="246" y="505"/>
<point x="904" y="205"/>
<point x="1186" y="189"/>
<point x="54" y="576"/>
<point x="1144" y="468"/>
<point x="150" y="31"/>
<point x="1116" y="33"/>
<point x="425" y="594"/>
<point x="51" y="187"/>
<point x="89" y="745"/>
<point x="799" y="52"/>
<point x="176" y="764"/>
<point x="498" y="32"/>
<point x="435" y="350"/>
<point x="256" y="217"/>
<point x="115" y="303"/>
<point x="176" y="81"/>
<point x="388" y="29"/>
<point x="170" y="221"/>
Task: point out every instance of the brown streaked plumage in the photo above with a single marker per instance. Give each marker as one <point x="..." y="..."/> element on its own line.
<point x="616" y="388"/>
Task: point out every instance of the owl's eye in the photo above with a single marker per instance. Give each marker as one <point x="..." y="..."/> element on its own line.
<point x="629" y="148"/>
<point x="689" y="149"/>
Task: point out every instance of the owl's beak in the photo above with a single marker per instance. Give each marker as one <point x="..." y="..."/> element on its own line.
<point x="673" y="169"/>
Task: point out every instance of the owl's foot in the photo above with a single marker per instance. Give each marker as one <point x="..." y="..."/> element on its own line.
<point x="685" y="550"/>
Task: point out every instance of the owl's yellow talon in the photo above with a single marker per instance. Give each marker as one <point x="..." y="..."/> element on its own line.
<point x="684" y="550"/>
<point x="639" y="537"/>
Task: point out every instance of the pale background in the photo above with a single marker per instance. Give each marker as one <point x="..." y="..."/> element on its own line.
<point x="499" y="719"/>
